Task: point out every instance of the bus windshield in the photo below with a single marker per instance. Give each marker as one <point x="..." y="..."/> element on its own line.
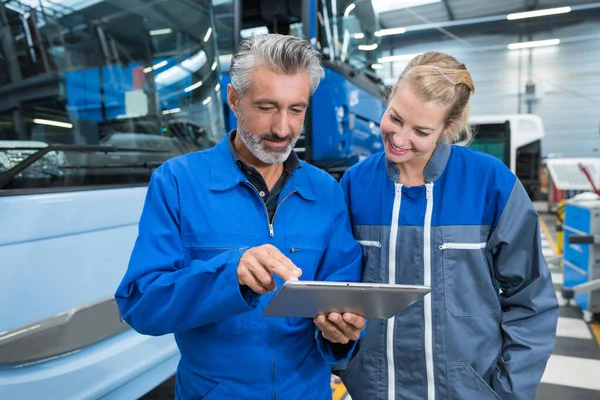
<point x="345" y="30"/>
<point x="110" y="89"/>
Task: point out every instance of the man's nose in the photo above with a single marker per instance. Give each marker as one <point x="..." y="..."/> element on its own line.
<point x="280" y="124"/>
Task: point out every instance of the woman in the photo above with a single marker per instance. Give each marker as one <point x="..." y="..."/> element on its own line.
<point x="433" y="213"/>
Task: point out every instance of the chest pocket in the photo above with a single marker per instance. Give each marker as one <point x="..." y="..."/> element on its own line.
<point x="306" y="252"/>
<point x="206" y="246"/>
<point x="371" y="250"/>
<point x="469" y="288"/>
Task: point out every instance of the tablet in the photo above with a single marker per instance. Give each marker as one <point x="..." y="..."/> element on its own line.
<point x="307" y="299"/>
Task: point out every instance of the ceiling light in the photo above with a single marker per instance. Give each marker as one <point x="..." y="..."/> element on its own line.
<point x="376" y="66"/>
<point x="539" y="13"/>
<point x="171" y="111"/>
<point x="52" y="123"/>
<point x="182" y="70"/>
<point x="359" y="36"/>
<point x="157" y="32"/>
<point x="156" y="66"/>
<point x="192" y="87"/>
<point x="389" y="5"/>
<point x="207" y="100"/>
<point x="538" y="43"/>
<point x="388" y="32"/>
<point x="208" y="33"/>
<point x="349" y="10"/>
<point x="368" y="47"/>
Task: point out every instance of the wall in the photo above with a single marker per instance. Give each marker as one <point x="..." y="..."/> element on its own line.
<point x="567" y="78"/>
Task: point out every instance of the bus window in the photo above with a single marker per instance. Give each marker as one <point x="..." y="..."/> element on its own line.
<point x="105" y="91"/>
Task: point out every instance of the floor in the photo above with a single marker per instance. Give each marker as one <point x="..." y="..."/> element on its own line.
<point x="573" y="371"/>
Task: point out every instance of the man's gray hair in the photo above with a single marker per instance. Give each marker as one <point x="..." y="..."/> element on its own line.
<point x="282" y="54"/>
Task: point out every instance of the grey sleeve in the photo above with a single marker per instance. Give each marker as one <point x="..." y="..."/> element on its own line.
<point x="528" y="299"/>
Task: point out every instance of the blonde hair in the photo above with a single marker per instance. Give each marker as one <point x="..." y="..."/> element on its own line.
<point x="440" y="78"/>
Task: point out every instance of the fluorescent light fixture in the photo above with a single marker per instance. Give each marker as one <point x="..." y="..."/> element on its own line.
<point x="398" y="57"/>
<point x="208" y="33"/>
<point x="368" y="47"/>
<point x="180" y="71"/>
<point x="539" y="13"/>
<point x="207" y="100"/>
<point x="359" y="36"/>
<point x="157" y="32"/>
<point x="52" y="123"/>
<point x="192" y="87"/>
<point x="156" y="66"/>
<point x="214" y="66"/>
<point x="389" y="32"/>
<point x="349" y="10"/>
<point x="217" y="87"/>
<point x="171" y="111"/>
<point x="528" y="45"/>
<point x="381" y="6"/>
<point x="376" y="66"/>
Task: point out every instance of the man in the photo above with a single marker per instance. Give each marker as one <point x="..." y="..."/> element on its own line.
<point x="223" y="228"/>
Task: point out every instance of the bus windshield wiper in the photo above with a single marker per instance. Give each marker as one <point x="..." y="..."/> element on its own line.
<point x="8" y="175"/>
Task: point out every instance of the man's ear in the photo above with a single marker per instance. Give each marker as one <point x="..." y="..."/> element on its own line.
<point x="232" y="98"/>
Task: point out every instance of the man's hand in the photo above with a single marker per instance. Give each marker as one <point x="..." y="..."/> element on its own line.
<point x="340" y="329"/>
<point x="258" y="264"/>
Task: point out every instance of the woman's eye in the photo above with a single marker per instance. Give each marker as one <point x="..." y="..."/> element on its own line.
<point x="421" y="133"/>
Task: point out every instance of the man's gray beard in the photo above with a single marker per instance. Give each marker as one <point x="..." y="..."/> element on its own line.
<point x="259" y="149"/>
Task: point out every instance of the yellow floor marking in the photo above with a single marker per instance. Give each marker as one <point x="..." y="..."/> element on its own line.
<point x="338" y="391"/>
<point x="549" y="236"/>
<point x="596" y="330"/>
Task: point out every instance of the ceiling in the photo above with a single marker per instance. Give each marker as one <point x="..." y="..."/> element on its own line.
<point x="465" y="17"/>
<point x="449" y="10"/>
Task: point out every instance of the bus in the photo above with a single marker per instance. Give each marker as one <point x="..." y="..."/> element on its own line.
<point x="342" y="122"/>
<point x="515" y="139"/>
<point x="94" y="96"/>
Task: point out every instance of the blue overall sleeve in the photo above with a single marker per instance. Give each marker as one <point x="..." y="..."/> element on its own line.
<point x="528" y="299"/>
<point x="159" y="294"/>
<point x="341" y="263"/>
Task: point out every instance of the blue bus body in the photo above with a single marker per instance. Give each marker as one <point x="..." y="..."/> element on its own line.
<point x="62" y="254"/>
<point x="98" y="95"/>
<point x="342" y="124"/>
<point x="345" y="122"/>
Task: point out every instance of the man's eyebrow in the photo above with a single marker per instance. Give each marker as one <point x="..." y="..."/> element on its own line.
<point x="423" y="128"/>
<point x="259" y="102"/>
<point x="300" y="104"/>
<point x="262" y="102"/>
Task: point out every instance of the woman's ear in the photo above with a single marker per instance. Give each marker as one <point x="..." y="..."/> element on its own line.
<point x="450" y="125"/>
<point x="448" y="128"/>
